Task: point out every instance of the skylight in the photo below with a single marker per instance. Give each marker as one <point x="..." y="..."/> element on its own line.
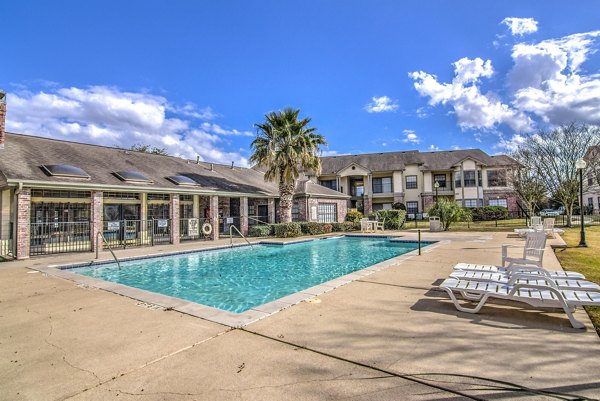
<point x="132" y="176"/>
<point x="64" y="170"/>
<point x="182" y="180"/>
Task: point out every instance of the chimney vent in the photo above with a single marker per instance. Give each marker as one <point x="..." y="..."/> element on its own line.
<point x="232" y="165"/>
<point x="197" y="159"/>
<point x="212" y="167"/>
<point x="2" y="118"/>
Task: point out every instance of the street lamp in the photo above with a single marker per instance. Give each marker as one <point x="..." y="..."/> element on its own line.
<point x="436" y="185"/>
<point x="580" y="165"/>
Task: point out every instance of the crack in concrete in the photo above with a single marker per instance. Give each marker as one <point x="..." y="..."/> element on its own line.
<point x="64" y="357"/>
<point x="186" y="348"/>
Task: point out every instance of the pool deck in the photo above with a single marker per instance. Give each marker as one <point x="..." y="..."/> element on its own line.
<point x="389" y="335"/>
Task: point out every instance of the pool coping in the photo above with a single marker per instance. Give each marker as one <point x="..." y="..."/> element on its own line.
<point x="220" y="316"/>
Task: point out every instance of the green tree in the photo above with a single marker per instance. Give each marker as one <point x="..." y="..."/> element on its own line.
<point x="449" y="212"/>
<point x="283" y="145"/>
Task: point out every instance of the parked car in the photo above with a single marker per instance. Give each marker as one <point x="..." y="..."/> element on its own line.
<point x="549" y="212"/>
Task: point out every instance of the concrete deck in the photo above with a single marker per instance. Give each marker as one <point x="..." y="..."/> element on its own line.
<point x="390" y="335"/>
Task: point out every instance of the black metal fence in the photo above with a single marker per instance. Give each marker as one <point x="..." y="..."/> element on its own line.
<point x="137" y="232"/>
<point x="226" y="222"/>
<point x="192" y="229"/>
<point x="59" y="237"/>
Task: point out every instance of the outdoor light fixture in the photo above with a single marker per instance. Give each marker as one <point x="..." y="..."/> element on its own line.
<point x="580" y="165"/>
<point x="436" y="185"/>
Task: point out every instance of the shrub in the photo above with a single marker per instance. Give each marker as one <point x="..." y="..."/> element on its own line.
<point x="338" y="227"/>
<point x="394" y="219"/>
<point x="260" y="231"/>
<point x="487" y="213"/>
<point x="353" y="216"/>
<point x="287" y="230"/>
<point x="327" y="228"/>
<point x="449" y="212"/>
<point x="399" y="206"/>
<point x="311" y="228"/>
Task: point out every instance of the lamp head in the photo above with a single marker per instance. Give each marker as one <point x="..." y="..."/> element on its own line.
<point x="436" y="184"/>
<point x="580" y="164"/>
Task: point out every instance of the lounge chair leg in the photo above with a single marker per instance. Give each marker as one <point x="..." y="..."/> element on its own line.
<point x="476" y="309"/>
<point x="470" y="297"/>
<point x="574" y="322"/>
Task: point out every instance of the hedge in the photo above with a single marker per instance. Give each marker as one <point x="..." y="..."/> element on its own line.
<point x="487" y="213"/>
<point x="260" y="231"/>
<point x="287" y="230"/>
<point x="312" y="228"/>
<point x="353" y="216"/>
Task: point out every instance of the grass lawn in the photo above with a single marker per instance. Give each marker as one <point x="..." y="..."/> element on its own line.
<point x="583" y="260"/>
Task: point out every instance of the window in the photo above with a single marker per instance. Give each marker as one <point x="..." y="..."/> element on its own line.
<point x="158" y="212"/>
<point x="122" y="195"/>
<point x="186" y="198"/>
<point x="162" y="197"/>
<point x="52" y="193"/>
<point x="64" y="170"/>
<point x="411" y="182"/>
<point x="591" y="202"/>
<point x="470" y="178"/>
<point x="412" y="207"/>
<point x="496" y="178"/>
<point x="457" y="183"/>
<point x="590" y="180"/>
<point x="473" y="202"/>
<point x="132" y="176"/>
<point x="295" y="212"/>
<point x="440" y="179"/>
<point x="182" y="180"/>
<point x="382" y="185"/>
<point x="327" y="212"/>
<point x="498" y="202"/>
<point x="331" y="184"/>
<point x="382" y="206"/>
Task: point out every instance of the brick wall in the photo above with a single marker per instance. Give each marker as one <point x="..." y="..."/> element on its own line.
<point x="511" y="199"/>
<point x="23" y="223"/>
<point x="428" y="201"/>
<point x="244" y="215"/>
<point x="367" y="205"/>
<point x="96" y="215"/>
<point x="214" y="216"/>
<point x="174" y="216"/>
<point x="271" y="207"/>
<point x="304" y="212"/>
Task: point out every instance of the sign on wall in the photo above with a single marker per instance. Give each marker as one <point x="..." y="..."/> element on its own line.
<point x="113" y="225"/>
<point x="193" y="227"/>
<point x="313" y="213"/>
<point x="162" y="223"/>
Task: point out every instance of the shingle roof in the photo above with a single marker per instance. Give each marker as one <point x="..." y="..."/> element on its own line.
<point x="23" y="155"/>
<point x="304" y="186"/>
<point x="389" y="161"/>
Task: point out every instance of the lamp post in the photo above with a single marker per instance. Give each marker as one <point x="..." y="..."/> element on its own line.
<point x="436" y="185"/>
<point x="580" y="165"/>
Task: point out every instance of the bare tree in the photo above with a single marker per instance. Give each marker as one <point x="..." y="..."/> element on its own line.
<point x="551" y="155"/>
<point x="525" y="181"/>
<point x="140" y="147"/>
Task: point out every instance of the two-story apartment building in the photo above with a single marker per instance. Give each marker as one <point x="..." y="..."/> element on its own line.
<point x="378" y="180"/>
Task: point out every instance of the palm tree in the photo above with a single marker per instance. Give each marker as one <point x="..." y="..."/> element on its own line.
<point x="282" y="146"/>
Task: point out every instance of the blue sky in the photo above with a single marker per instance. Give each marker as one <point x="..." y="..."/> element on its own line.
<point x="374" y="76"/>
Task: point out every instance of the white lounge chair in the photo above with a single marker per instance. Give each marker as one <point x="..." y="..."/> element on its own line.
<point x="525" y="277"/>
<point x="380" y="225"/>
<point x="547" y="226"/>
<point x="518" y="269"/>
<point x="539" y="296"/>
<point x="533" y="251"/>
<point x="535" y="221"/>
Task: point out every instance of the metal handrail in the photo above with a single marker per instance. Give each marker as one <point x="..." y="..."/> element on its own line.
<point x="258" y="220"/>
<point x="99" y="234"/>
<point x="231" y="227"/>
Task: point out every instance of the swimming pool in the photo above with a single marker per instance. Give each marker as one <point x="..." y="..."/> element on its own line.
<point x="238" y="279"/>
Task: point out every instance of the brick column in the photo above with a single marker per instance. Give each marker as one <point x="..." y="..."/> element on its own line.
<point x="271" y="210"/>
<point x="342" y="210"/>
<point x="23" y="223"/>
<point x="96" y="215"/>
<point x="174" y="216"/>
<point x="244" y="215"/>
<point x="214" y="216"/>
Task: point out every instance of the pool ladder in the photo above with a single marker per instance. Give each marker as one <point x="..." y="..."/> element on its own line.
<point x="98" y="235"/>
<point x="231" y="228"/>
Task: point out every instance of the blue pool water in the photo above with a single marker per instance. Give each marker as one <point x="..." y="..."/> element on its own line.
<point x="241" y="278"/>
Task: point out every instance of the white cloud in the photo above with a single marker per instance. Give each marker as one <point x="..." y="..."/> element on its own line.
<point x="547" y="79"/>
<point x="473" y="108"/>
<point x="107" y="116"/>
<point x="381" y="104"/>
<point x="520" y="26"/>
<point x="510" y="145"/>
<point x="433" y="147"/>
<point x="410" y="136"/>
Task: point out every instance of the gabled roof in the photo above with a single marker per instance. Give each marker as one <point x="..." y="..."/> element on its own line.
<point x="23" y="155"/>
<point x="392" y="161"/>
<point x="306" y="187"/>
